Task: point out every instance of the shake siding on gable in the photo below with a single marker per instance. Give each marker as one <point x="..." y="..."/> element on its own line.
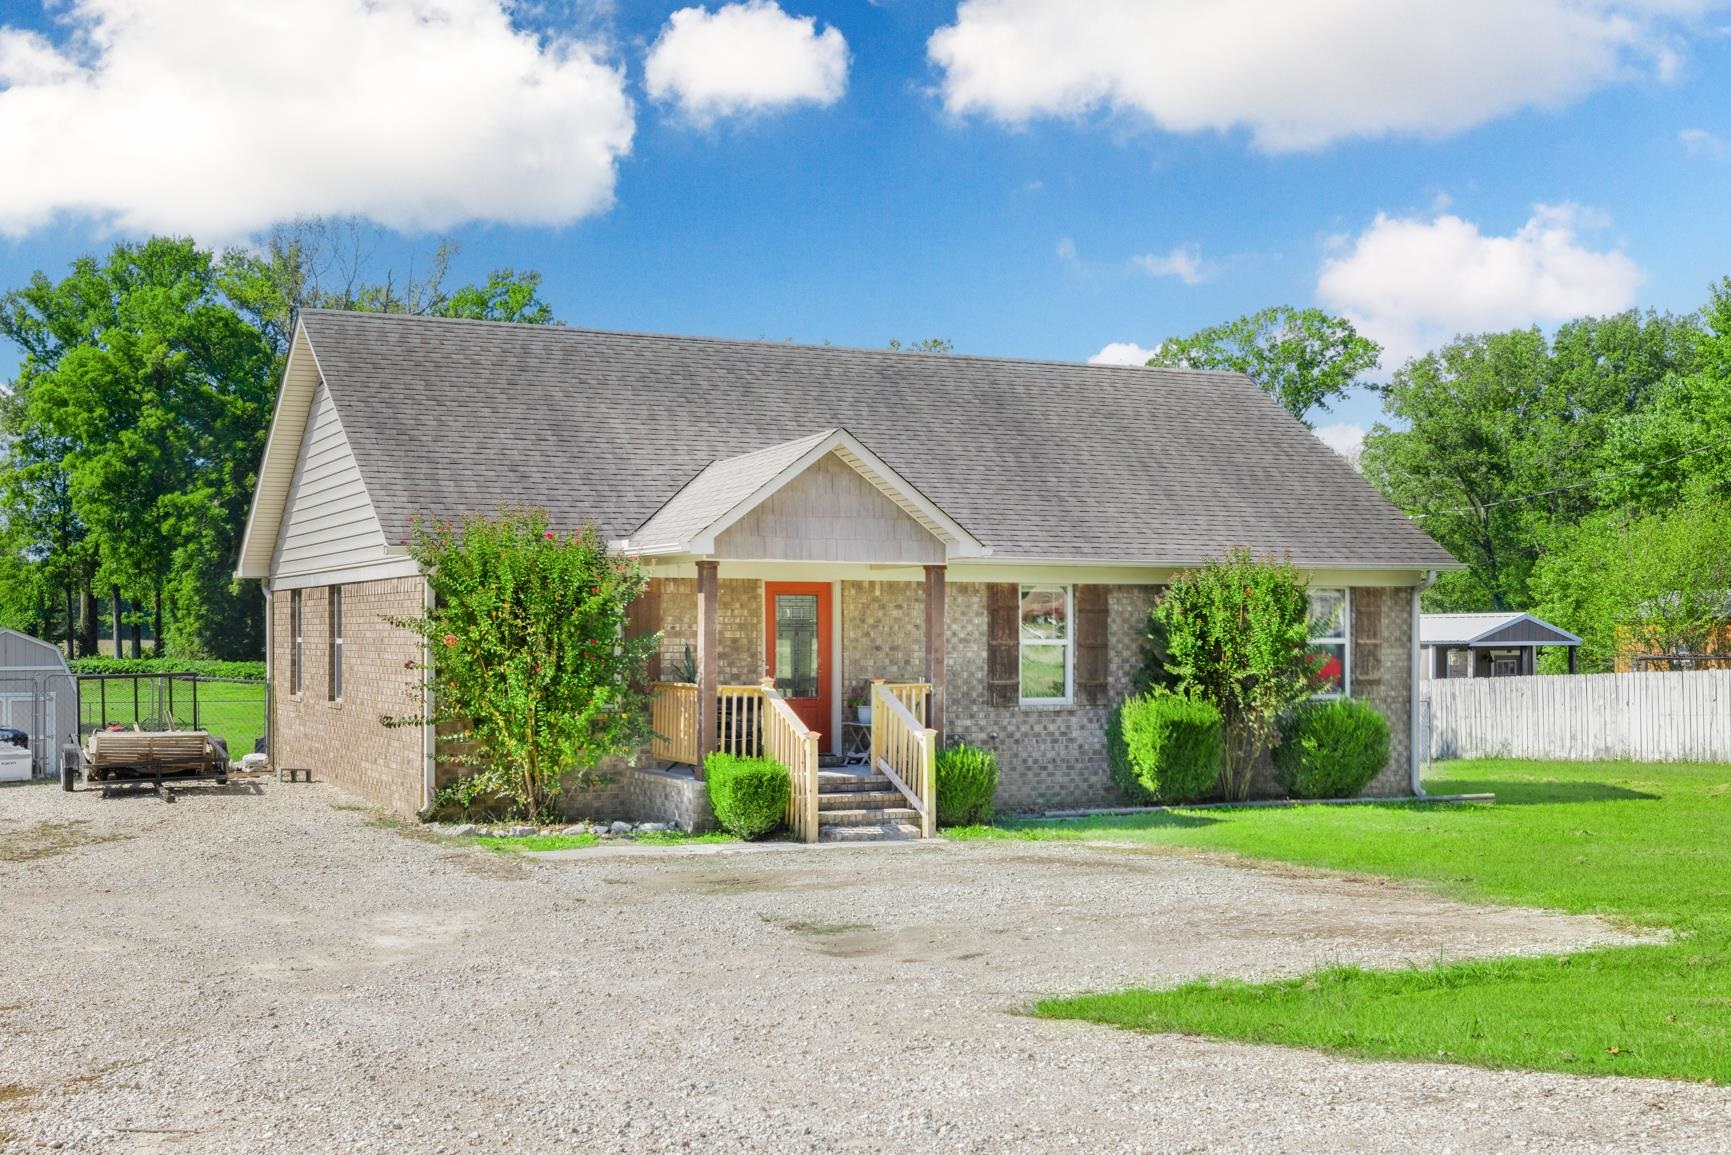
<point x="329" y="522"/>
<point x="830" y="513"/>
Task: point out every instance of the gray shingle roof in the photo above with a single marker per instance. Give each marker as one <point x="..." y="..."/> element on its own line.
<point x="1037" y="459"/>
<point x="721" y="486"/>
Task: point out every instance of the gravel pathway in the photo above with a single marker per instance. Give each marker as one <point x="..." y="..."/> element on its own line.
<point x="264" y="970"/>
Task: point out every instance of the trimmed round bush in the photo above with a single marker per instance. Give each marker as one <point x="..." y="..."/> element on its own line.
<point x="967" y="782"/>
<point x="1330" y="749"/>
<point x="1165" y="747"/>
<point x="749" y="795"/>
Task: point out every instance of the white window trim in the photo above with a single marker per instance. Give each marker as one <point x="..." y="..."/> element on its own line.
<point x="1344" y="642"/>
<point x="334" y="632"/>
<point x="1068" y="642"/>
<point x="297" y="643"/>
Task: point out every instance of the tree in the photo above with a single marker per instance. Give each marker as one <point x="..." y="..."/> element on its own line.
<point x="151" y="395"/>
<point x="1465" y="460"/>
<point x="929" y="345"/>
<point x="1655" y="584"/>
<point x="1303" y="358"/>
<point x="531" y="657"/>
<point x="1238" y="636"/>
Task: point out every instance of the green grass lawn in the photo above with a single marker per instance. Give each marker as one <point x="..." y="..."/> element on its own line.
<point x="233" y="711"/>
<point x="1642" y="844"/>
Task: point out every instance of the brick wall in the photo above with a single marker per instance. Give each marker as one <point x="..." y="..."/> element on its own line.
<point x="883" y="634"/>
<point x="1382" y="675"/>
<point x="1048" y="756"/>
<point x="739" y="613"/>
<point x="342" y="742"/>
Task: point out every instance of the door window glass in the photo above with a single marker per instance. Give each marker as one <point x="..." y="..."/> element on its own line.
<point x="796" y="645"/>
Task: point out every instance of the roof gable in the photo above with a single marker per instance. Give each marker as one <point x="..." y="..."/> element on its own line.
<point x="728" y="491"/>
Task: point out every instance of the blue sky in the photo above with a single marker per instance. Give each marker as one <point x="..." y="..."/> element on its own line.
<point x="1025" y="178"/>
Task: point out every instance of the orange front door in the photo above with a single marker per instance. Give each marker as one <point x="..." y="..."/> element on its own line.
<point x="796" y="636"/>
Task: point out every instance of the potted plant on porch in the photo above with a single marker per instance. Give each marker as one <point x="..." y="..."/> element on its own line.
<point x="862" y="708"/>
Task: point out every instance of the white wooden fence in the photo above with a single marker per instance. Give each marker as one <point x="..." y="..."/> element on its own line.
<point x="1653" y="717"/>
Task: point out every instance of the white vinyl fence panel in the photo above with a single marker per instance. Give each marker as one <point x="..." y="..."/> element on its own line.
<point x="1655" y="717"/>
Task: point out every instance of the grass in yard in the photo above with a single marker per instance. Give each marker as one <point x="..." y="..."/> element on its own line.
<point x="1642" y="844"/>
<point x="232" y="711"/>
<point x="46" y="839"/>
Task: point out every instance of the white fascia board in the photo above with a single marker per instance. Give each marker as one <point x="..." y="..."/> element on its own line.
<point x="251" y="565"/>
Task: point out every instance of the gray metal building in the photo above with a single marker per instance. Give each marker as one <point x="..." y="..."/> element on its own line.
<point x="38" y="696"/>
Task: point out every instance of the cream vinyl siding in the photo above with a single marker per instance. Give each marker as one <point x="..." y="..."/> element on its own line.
<point x="328" y="521"/>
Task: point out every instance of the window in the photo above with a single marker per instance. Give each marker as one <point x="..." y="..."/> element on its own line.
<point x="1045" y="637"/>
<point x="1330" y="613"/>
<point x="796" y="645"/>
<point x="295" y="642"/>
<point x="334" y="688"/>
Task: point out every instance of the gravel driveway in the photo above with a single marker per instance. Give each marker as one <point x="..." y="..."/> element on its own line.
<point x="267" y="971"/>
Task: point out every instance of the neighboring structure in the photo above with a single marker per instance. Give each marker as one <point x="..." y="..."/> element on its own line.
<point x="38" y="696"/>
<point x="988" y="535"/>
<point x="1655" y="646"/>
<point x="1488" y="645"/>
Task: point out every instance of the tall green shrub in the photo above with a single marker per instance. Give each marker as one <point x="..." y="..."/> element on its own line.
<point x="1164" y="748"/>
<point x="748" y="795"/>
<point x="967" y="782"/>
<point x="530" y="655"/>
<point x="1238" y="636"/>
<point x="1330" y="749"/>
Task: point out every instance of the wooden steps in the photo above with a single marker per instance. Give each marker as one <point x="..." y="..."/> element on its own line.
<point x="854" y="805"/>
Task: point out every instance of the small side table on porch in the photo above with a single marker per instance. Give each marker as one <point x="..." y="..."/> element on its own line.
<point x="856" y="743"/>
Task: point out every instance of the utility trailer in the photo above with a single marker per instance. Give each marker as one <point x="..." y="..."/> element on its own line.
<point x="132" y="761"/>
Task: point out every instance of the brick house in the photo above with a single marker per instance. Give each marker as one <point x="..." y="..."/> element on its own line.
<point x="971" y="545"/>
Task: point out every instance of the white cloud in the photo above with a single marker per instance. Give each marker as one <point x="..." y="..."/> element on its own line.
<point x="220" y="118"/>
<point x="1183" y="262"/>
<point x="1700" y="142"/>
<point x="1344" y="438"/>
<point x="1122" y="353"/>
<point x="1299" y="75"/>
<point x="744" y="58"/>
<point x="1413" y="284"/>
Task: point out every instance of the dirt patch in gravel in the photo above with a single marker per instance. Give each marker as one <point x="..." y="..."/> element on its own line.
<point x="267" y="972"/>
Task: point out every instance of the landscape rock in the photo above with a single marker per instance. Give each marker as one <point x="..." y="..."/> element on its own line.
<point x="619" y="828"/>
<point x="461" y="830"/>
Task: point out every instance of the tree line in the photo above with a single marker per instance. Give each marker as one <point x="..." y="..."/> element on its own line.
<point x="132" y="432"/>
<point x="1583" y="476"/>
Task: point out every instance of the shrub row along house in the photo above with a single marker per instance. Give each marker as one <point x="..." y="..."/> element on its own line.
<point x="985" y="537"/>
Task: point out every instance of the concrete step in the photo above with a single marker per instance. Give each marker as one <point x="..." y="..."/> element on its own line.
<point x="873" y="817"/>
<point x="838" y="782"/>
<point x="860" y="799"/>
<point x="882" y="832"/>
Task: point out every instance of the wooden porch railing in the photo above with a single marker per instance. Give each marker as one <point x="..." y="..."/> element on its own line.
<point x="913" y="695"/>
<point x="673" y="718"/>
<point x="906" y="752"/>
<point x="787" y="740"/>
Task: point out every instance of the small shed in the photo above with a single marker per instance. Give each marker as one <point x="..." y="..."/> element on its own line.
<point x="38" y="696"/>
<point x="1487" y="645"/>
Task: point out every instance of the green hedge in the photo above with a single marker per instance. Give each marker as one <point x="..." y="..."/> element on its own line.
<point x="1164" y="748"/>
<point x="203" y="668"/>
<point x="967" y="782"/>
<point x="1330" y="749"/>
<point x="749" y="795"/>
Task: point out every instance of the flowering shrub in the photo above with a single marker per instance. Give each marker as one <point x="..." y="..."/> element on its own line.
<point x="1237" y="634"/>
<point x="529" y="654"/>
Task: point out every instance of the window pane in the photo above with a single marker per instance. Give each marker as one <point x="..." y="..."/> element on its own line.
<point x="1327" y="614"/>
<point x="1043" y="615"/>
<point x="796" y="645"/>
<point x="1329" y="664"/>
<point x="1042" y="671"/>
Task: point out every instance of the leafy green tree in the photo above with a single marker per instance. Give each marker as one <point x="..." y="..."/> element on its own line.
<point x="1657" y="583"/>
<point x="1303" y="358"/>
<point x="1238" y="636"/>
<point x="530" y="656"/>
<point x="1464" y="460"/>
<point x="929" y="345"/>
